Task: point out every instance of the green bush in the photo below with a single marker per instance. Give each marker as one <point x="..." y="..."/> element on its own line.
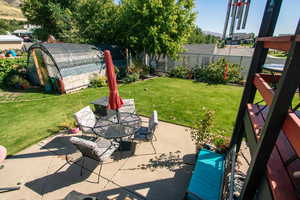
<point x="221" y="44"/>
<point x="10" y="66"/>
<point x="180" y="72"/>
<point x="219" y="141"/>
<point x="214" y="73"/>
<point x="17" y="81"/>
<point x="234" y="74"/>
<point x="201" y="133"/>
<point x="98" y="81"/>
<point x="138" y="67"/>
<point x="131" y="78"/>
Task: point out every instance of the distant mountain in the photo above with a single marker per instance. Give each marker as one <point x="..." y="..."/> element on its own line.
<point x="14" y="3"/>
<point x="212" y="33"/>
<point x="9" y="9"/>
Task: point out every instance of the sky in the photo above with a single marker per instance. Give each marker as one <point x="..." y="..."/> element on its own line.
<point x="211" y="16"/>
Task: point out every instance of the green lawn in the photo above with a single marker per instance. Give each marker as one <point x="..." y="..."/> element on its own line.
<point x="176" y="100"/>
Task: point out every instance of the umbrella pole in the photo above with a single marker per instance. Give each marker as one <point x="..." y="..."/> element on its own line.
<point x="118" y="115"/>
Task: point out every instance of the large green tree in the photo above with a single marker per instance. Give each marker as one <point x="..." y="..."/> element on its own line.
<point x="40" y="12"/>
<point x="89" y="21"/>
<point x="156" y="27"/>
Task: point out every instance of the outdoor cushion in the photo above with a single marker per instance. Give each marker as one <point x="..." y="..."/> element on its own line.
<point x="82" y="142"/>
<point x="142" y="133"/>
<point x="146" y="133"/>
<point x="86" y="119"/>
<point x="128" y="107"/>
<point x="102" y="149"/>
<point x="207" y="177"/>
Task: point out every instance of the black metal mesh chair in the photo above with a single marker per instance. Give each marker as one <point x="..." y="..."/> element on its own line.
<point x="148" y="133"/>
<point x="97" y="151"/>
<point x="88" y="122"/>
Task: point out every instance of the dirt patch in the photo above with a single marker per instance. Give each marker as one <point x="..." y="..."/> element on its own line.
<point x="9" y="96"/>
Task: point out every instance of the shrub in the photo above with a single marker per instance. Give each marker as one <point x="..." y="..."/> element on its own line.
<point x="17" y="81"/>
<point x="219" y="141"/>
<point x="131" y="78"/>
<point x="214" y="73"/>
<point x="221" y="44"/>
<point x="234" y="74"/>
<point x="180" y="72"/>
<point x="201" y="133"/>
<point x="8" y="65"/>
<point x="98" y="81"/>
<point x="139" y="68"/>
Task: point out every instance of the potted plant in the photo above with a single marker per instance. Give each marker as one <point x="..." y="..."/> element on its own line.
<point x="201" y="133"/>
<point x="69" y="126"/>
<point x="221" y="142"/>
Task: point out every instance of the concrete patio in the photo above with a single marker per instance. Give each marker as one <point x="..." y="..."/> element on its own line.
<point x="43" y="172"/>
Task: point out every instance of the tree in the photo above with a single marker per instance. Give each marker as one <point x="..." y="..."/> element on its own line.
<point x="158" y="27"/>
<point x="40" y="12"/>
<point x="85" y="21"/>
<point x="97" y="21"/>
<point x="9" y="25"/>
<point x="198" y="37"/>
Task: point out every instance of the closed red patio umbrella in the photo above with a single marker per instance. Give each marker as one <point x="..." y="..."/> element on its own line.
<point x="115" y="102"/>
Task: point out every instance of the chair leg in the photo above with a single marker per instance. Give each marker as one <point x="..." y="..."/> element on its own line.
<point x="82" y="166"/>
<point x="153" y="147"/>
<point x="100" y="163"/>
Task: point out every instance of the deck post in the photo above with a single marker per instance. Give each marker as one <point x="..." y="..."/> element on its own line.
<point x="267" y="28"/>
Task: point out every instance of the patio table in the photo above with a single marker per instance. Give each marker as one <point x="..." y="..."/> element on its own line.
<point x="113" y="129"/>
<point x="277" y="68"/>
<point x="273" y="68"/>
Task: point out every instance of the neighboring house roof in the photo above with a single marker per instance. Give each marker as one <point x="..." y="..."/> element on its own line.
<point x="10" y="38"/>
<point x="22" y="31"/>
<point x="200" y="48"/>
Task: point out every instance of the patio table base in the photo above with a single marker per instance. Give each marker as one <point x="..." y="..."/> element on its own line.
<point x="127" y="146"/>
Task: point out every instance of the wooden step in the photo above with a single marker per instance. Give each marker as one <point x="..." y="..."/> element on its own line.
<point x="279" y="176"/>
<point x="279" y="180"/>
<point x="270" y="78"/>
<point x="291" y="126"/>
<point x="264" y="88"/>
<point x="282" y="43"/>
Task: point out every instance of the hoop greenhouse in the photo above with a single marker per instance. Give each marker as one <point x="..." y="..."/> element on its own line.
<point x="64" y="67"/>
